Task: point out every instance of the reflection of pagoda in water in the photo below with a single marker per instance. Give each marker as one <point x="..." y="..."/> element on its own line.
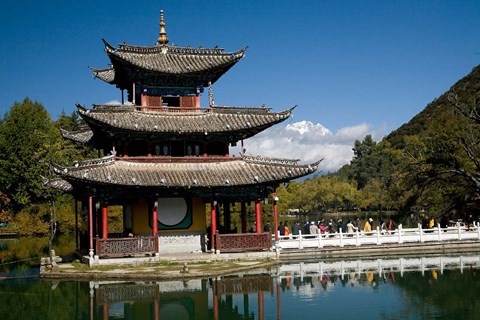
<point x="166" y="157"/>
<point x="180" y="300"/>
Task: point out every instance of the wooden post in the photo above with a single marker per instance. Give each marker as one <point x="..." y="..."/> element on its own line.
<point x="215" y="300"/>
<point x="243" y="213"/>
<point x="90" y="224"/>
<point x="275" y="217"/>
<point x="104" y="221"/>
<point x="278" y="298"/>
<point x="213" y="225"/>
<point x="76" y="224"/>
<point x="341" y="236"/>
<point x="258" y="219"/>
<point x="226" y="216"/>
<point x="261" y="308"/>
<point x="133" y="94"/>
<point x="155" y="219"/>
<point x="197" y="101"/>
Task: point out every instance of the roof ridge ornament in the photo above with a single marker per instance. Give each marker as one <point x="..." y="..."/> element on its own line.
<point x="163" y="40"/>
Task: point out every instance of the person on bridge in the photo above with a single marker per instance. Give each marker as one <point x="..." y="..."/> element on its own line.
<point x="295" y="229"/>
<point x="390" y="226"/>
<point x="313" y="228"/>
<point x="367" y="228"/>
<point x="351" y="228"/>
<point x="281" y="229"/>
<point x="286" y="230"/>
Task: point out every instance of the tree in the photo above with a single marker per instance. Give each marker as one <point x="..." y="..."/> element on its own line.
<point x="28" y="141"/>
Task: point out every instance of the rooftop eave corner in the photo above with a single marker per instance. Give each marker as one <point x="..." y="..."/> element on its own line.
<point x="57" y="169"/>
<point x="314" y="166"/>
<point x="240" y="54"/>
<point x="288" y="113"/>
<point x="108" y="47"/>
<point x="81" y="109"/>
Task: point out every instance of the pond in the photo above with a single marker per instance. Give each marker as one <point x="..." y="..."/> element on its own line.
<point x="434" y="287"/>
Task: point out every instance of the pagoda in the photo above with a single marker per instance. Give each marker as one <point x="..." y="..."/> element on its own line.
<point x="167" y="159"/>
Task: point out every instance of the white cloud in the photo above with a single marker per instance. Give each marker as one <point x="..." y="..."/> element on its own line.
<point x="308" y="142"/>
<point x="113" y="102"/>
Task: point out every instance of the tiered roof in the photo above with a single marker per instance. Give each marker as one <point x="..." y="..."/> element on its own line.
<point x="180" y="70"/>
<point x="194" y="174"/>
<point x="164" y="66"/>
<point x="178" y="66"/>
<point x="229" y="124"/>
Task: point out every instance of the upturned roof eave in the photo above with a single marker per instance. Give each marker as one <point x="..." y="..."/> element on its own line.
<point x="251" y="172"/>
<point x="118" y="60"/>
<point x="243" y="128"/>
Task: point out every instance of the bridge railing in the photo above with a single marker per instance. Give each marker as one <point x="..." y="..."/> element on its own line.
<point x="378" y="237"/>
<point x="380" y="266"/>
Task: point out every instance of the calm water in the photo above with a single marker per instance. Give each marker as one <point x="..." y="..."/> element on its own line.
<point x="445" y="287"/>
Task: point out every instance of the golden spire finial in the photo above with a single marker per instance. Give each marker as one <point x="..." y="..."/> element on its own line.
<point x="163" y="40"/>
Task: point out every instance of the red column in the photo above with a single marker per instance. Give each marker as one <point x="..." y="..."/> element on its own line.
<point x="149" y="149"/>
<point x="104" y="221"/>
<point x="213" y="224"/>
<point x="143" y="98"/>
<point x="227" y="152"/>
<point x="243" y="213"/>
<point x="275" y="216"/>
<point x="197" y="101"/>
<point x="91" y="304"/>
<point x="215" y="300"/>
<point x="155" y="219"/>
<point x="258" y="219"/>
<point x="90" y="221"/>
<point x="278" y="300"/>
<point x="105" y="311"/>
<point x="156" y="311"/>
<point x="260" y="306"/>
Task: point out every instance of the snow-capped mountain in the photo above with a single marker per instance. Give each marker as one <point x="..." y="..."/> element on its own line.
<point x="305" y="126"/>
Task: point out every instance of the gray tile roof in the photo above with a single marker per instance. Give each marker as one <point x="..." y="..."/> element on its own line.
<point x="236" y="122"/>
<point x="58" y="183"/>
<point x="192" y="173"/>
<point x="83" y="135"/>
<point x="201" y="65"/>
<point x="174" y="60"/>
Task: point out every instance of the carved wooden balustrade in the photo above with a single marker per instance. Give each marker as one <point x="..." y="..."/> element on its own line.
<point x="113" y="293"/>
<point x="243" y="242"/>
<point x="245" y="284"/>
<point x="120" y="247"/>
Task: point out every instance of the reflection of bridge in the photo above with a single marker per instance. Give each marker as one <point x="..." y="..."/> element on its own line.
<point x="437" y="263"/>
<point x="377" y="237"/>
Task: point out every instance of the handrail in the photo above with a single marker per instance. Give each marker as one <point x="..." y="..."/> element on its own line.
<point x="378" y="237"/>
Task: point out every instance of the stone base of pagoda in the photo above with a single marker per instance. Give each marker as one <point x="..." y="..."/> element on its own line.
<point x="178" y="242"/>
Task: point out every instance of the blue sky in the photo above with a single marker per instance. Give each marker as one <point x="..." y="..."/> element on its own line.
<point x="352" y="66"/>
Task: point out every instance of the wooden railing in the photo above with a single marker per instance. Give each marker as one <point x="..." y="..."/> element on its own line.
<point x="378" y="237"/>
<point x="242" y="242"/>
<point x="118" y="292"/>
<point x="173" y="109"/>
<point x="121" y="247"/>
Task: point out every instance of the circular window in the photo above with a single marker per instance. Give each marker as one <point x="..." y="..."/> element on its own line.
<point x="171" y="211"/>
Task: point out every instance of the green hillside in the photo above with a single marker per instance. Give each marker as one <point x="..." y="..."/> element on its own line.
<point x="467" y="89"/>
